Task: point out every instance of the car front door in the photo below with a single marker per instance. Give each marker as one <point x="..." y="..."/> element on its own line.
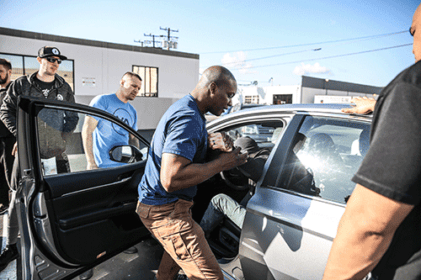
<point x="292" y="219"/>
<point x="71" y="218"/>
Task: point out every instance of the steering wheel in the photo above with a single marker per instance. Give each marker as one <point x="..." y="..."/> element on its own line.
<point x="235" y="179"/>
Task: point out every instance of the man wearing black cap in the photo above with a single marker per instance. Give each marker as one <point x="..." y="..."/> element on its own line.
<point x="222" y="205"/>
<point x="45" y="83"/>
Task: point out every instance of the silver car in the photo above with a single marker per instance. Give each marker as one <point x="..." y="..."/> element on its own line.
<point x="72" y="221"/>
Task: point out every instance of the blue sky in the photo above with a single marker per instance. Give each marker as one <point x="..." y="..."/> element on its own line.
<point x="256" y="40"/>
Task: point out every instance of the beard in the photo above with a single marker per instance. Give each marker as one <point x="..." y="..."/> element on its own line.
<point x="6" y="78"/>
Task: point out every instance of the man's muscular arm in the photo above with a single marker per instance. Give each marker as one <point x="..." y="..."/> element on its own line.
<point x="179" y="173"/>
<point x="364" y="234"/>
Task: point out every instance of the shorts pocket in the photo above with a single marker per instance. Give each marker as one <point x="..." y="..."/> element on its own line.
<point x="178" y="247"/>
<point x="143" y="210"/>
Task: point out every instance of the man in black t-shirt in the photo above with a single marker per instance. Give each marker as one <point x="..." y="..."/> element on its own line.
<point x="7" y="140"/>
<point x="380" y="230"/>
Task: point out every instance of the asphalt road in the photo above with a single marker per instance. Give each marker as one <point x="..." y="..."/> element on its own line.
<point x="141" y="265"/>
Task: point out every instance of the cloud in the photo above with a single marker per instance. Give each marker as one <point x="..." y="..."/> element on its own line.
<point x="237" y="61"/>
<point x="310" y="69"/>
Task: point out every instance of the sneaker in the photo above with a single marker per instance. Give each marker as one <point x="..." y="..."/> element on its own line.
<point x="86" y="275"/>
<point x="131" y="250"/>
<point x="9" y="254"/>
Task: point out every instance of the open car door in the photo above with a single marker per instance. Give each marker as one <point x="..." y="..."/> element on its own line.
<point x="71" y="218"/>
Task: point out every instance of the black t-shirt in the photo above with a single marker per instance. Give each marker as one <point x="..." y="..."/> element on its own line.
<point x="392" y="168"/>
<point x="45" y="87"/>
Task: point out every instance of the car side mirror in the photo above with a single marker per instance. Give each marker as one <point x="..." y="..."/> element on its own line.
<point x="126" y="154"/>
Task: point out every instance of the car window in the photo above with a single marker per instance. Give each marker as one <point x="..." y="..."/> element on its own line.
<point x="264" y="133"/>
<point x="326" y="153"/>
<point x="60" y="144"/>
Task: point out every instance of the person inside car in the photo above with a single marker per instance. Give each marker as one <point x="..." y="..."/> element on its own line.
<point x="222" y="205"/>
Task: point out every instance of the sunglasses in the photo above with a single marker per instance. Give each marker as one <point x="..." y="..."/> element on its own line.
<point x="52" y="60"/>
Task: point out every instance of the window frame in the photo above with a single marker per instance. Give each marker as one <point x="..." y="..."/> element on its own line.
<point x="281" y="170"/>
<point x="143" y="89"/>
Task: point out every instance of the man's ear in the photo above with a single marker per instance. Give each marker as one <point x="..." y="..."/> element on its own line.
<point x="212" y="88"/>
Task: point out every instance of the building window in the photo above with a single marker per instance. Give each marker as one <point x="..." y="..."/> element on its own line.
<point x="282" y="99"/>
<point x="251" y="99"/>
<point x="23" y="65"/>
<point x="149" y="77"/>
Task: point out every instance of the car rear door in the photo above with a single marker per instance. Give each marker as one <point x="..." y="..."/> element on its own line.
<point x="293" y="217"/>
<point x="77" y="218"/>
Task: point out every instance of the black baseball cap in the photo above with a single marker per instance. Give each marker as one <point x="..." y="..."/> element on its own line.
<point x="50" y="51"/>
<point x="250" y="146"/>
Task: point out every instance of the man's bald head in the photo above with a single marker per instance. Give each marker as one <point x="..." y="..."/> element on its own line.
<point x="219" y="75"/>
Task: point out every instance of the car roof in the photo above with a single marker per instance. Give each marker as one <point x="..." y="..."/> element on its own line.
<point x="329" y="108"/>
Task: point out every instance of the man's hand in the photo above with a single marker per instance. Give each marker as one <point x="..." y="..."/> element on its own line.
<point x="220" y="141"/>
<point x="15" y="149"/>
<point x="233" y="159"/>
<point x="363" y="105"/>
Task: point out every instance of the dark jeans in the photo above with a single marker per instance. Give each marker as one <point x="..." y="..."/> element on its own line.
<point x="219" y="207"/>
<point x="6" y="162"/>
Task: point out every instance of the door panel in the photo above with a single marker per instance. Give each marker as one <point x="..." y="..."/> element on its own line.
<point x="292" y="219"/>
<point x="72" y="217"/>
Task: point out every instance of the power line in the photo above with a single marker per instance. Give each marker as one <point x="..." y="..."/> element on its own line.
<point x="309" y="44"/>
<point x="271" y="56"/>
<point x="333" y="56"/>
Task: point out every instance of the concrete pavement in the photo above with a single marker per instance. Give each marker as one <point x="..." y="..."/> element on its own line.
<point x="141" y="265"/>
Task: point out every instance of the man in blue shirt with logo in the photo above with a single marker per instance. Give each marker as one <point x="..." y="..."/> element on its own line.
<point x="99" y="135"/>
<point x="176" y="164"/>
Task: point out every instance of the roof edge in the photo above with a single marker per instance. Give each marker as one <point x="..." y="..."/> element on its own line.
<point x="92" y="43"/>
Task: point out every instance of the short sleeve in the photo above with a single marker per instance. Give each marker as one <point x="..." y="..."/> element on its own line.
<point x="393" y="163"/>
<point x="183" y="137"/>
<point x="100" y="103"/>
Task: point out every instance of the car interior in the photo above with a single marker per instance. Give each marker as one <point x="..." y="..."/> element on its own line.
<point x="237" y="184"/>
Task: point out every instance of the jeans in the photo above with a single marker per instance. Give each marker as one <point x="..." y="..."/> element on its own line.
<point x="183" y="240"/>
<point x="222" y="206"/>
<point x="6" y="161"/>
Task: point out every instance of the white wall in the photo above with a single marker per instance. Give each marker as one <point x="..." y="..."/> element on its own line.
<point x="177" y="76"/>
<point x="266" y="93"/>
<point x="295" y="90"/>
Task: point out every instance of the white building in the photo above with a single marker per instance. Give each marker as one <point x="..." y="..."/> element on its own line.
<point x="95" y="67"/>
<point x="311" y="90"/>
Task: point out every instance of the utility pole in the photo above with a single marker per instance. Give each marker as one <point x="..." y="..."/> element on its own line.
<point x="153" y="37"/>
<point x="139" y="41"/>
<point x="169" y="37"/>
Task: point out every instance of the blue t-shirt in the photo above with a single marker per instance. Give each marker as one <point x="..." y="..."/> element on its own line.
<point x="108" y="135"/>
<point x="181" y="131"/>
